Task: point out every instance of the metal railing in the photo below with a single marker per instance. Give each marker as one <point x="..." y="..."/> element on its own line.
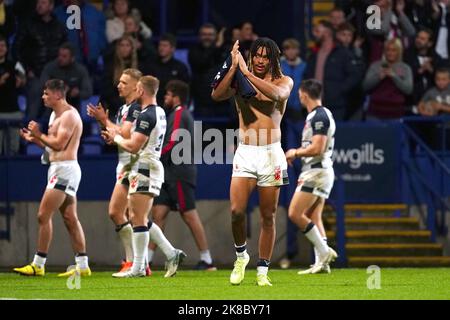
<point x="435" y="190"/>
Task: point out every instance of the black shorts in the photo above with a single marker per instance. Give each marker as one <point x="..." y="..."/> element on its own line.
<point x="179" y="196"/>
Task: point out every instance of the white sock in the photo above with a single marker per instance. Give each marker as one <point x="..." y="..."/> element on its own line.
<point x="39" y="261"/>
<point x="140" y="244"/>
<point x="150" y="254"/>
<point x="146" y="254"/>
<point x="316" y="253"/>
<point x="314" y="236"/>
<point x="316" y="256"/>
<point x="126" y="234"/>
<point x="262" y="270"/>
<point x="206" y="256"/>
<point x="82" y="262"/>
<point x="161" y="241"/>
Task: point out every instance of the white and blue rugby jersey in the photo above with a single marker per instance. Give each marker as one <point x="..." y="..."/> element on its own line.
<point x="319" y="121"/>
<point x="152" y="123"/>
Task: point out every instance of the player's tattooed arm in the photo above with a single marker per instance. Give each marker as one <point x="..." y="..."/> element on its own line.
<point x="125" y="130"/>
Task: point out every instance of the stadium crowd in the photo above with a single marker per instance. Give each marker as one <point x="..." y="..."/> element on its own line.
<point x="401" y="69"/>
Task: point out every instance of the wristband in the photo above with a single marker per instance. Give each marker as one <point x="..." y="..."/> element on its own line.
<point x="118" y="139"/>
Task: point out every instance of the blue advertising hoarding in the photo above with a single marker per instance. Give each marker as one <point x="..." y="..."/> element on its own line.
<point x="367" y="158"/>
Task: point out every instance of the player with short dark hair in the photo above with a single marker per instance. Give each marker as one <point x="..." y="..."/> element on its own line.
<point x="64" y="175"/>
<point x="317" y="177"/>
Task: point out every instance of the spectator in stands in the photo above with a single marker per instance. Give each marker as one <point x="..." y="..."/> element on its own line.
<point x="437" y="99"/>
<point x="37" y="42"/>
<point x="125" y="56"/>
<point x="204" y="59"/>
<point x="9" y="110"/>
<point x="145" y="50"/>
<point x="90" y="40"/>
<point x="293" y="66"/>
<point x="334" y="66"/>
<point x="166" y="67"/>
<point x="116" y="25"/>
<point x="441" y="23"/>
<point x="423" y="60"/>
<point x="355" y="13"/>
<point x="230" y="35"/>
<point x="420" y="12"/>
<point x="7" y="20"/>
<point x="247" y="36"/>
<point x="74" y="75"/>
<point x="389" y="81"/>
<point x="336" y="17"/>
<point x="148" y="10"/>
<point x="346" y="37"/>
<point x="394" y="24"/>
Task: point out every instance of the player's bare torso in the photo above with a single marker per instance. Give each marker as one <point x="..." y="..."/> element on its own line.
<point x="70" y="150"/>
<point x="260" y="118"/>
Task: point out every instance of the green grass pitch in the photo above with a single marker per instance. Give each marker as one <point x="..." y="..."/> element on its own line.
<point x="198" y="285"/>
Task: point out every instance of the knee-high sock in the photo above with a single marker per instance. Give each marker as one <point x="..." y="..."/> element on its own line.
<point x="158" y="237"/>
<point x="126" y="233"/>
<point x="140" y="244"/>
<point x="316" y="252"/>
<point x="312" y="233"/>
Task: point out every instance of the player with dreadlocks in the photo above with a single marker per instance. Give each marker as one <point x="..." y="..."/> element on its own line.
<point x="259" y="160"/>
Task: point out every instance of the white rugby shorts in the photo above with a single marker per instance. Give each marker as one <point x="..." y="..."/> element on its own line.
<point x="316" y="181"/>
<point x="64" y="176"/>
<point x="146" y="177"/>
<point x="267" y="164"/>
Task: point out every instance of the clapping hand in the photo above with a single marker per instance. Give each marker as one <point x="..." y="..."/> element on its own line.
<point x="34" y="129"/>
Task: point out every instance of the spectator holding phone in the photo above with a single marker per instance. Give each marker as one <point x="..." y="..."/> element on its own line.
<point x="389" y="81"/>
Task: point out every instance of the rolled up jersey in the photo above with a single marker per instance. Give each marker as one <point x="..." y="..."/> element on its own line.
<point x="244" y="87"/>
<point x="240" y="82"/>
<point x="222" y="73"/>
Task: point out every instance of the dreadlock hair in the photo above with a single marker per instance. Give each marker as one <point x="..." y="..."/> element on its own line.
<point x="273" y="53"/>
